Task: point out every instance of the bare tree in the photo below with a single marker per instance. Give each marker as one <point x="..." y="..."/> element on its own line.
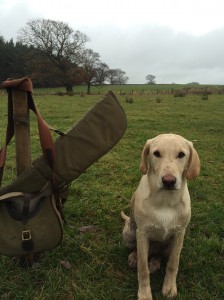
<point x="90" y="61"/>
<point x="111" y="75"/>
<point x="58" y="42"/>
<point x="121" y="77"/>
<point x="102" y="73"/>
<point x="117" y="76"/>
<point x="150" y="79"/>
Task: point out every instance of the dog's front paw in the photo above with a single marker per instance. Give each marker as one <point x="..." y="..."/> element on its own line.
<point x="169" y="290"/>
<point x="145" y="294"/>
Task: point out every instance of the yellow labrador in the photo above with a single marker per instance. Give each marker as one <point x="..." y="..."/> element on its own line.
<point x="160" y="210"/>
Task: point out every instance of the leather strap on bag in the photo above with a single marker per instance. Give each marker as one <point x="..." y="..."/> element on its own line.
<point x="46" y="140"/>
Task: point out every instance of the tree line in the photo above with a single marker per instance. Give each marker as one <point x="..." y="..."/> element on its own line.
<point x="52" y="54"/>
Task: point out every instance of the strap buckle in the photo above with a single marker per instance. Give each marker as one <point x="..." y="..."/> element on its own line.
<point x="26" y="235"/>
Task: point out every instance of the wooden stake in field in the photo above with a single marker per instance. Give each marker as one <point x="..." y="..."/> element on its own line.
<point x="18" y="121"/>
<point x="21" y="129"/>
<point x="22" y="141"/>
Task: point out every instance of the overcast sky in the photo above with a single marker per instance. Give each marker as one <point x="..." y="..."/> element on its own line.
<point x="177" y="41"/>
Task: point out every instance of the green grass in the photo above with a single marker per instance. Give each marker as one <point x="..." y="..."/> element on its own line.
<point x="99" y="259"/>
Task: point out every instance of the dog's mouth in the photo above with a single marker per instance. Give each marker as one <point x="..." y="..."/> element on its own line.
<point x="172" y="188"/>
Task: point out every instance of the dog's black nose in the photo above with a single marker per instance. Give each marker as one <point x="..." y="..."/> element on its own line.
<point x="169" y="181"/>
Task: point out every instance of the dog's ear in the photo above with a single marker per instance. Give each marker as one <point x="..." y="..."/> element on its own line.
<point x="145" y="153"/>
<point x="193" y="169"/>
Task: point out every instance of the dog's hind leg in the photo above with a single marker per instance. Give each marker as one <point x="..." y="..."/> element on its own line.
<point x="129" y="238"/>
<point x="129" y="232"/>
<point x="132" y="260"/>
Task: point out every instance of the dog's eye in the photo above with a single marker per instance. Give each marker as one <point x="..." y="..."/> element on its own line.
<point x="157" y="154"/>
<point x="181" y="154"/>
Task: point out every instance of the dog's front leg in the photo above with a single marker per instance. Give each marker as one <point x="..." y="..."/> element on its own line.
<point x="144" y="291"/>
<point x="169" y="285"/>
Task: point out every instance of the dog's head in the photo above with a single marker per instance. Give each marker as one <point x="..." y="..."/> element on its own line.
<point x="170" y="158"/>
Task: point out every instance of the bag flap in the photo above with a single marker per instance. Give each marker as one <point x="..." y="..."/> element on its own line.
<point x="15" y="201"/>
<point x="10" y="195"/>
<point x="32" y="180"/>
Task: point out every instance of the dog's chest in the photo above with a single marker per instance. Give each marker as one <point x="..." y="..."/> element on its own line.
<point x="161" y="224"/>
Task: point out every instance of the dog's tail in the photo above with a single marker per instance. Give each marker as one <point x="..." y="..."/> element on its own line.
<point x="125" y="217"/>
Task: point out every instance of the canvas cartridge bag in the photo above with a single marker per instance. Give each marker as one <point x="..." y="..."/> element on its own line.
<point x="24" y="232"/>
<point x="30" y="206"/>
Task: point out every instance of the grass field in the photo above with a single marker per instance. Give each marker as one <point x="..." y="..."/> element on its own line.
<point x="98" y="259"/>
